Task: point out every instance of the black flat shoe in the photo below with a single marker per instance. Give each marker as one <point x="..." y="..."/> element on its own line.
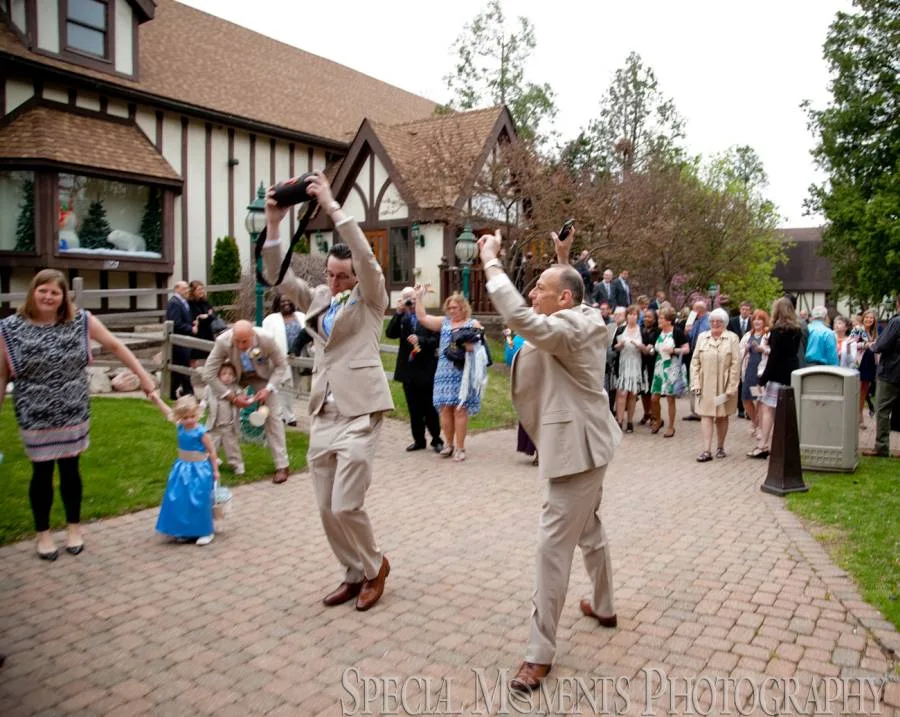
<point x="629" y="428"/>
<point x="415" y="447"/>
<point x="438" y="446"/>
<point x="75" y="549"/>
<point x="758" y="453"/>
<point x="51" y="556"/>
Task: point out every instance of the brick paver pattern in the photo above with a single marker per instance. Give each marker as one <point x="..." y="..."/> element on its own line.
<point x="712" y="577"/>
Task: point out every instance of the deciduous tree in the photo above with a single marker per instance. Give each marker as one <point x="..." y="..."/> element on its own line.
<point x="859" y="150"/>
<point x="490" y="71"/>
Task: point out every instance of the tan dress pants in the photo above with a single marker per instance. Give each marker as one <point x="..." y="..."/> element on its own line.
<point x="570" y="517"/>
<point x="341" y="453"/>
<point x="274" y="428"/>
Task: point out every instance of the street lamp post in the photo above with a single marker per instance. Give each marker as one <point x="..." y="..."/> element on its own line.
<point x="255" y="223"/>
<point x="466" y="250"/>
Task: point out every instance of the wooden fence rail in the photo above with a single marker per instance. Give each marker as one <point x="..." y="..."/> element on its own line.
<point x="80" y="295"/>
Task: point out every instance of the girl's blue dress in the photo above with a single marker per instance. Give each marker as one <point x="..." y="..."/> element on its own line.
<point x="187" y="506"/>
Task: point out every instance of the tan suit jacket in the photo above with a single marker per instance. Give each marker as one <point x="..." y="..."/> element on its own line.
<point x="348" y="362"/>
<point x="557" y="384"/>
<point x="271" y="364"/>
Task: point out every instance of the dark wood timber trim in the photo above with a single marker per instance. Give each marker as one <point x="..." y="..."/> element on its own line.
<point x="104" y="104"/>
<point x="293" y="215"/>
<point x="272" y="178"/>
<point x="231" y="181"/>
<point x="169" y="227"/>
<point x="104" y="285"/>
<point x="184" y="197"/>
<point x="252" y="166"/>
<point x="132" y="284"/>
<point x="132" y="111"/>
<point x="160" y="119"/>
<point x="5" y="275"/>
<point x="208" y="182"/>
<point x="73" y="96"/>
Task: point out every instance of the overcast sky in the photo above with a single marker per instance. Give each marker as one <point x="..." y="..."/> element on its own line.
<point x="737" y="70"/>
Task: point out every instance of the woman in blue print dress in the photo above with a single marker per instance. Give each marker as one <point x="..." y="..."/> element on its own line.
<point x="187" y="506"/>
<point x="448" y="377"/>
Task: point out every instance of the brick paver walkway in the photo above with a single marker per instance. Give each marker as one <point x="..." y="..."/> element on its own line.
<point x="712" y="577"/>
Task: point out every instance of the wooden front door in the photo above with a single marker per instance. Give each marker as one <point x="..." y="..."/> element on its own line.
<point x="378" y="240"/>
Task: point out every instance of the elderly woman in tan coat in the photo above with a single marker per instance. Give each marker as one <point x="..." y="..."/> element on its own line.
<point x="715" y="376"/>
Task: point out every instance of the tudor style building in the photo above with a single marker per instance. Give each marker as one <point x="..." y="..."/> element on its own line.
<point x="133" y="135"/>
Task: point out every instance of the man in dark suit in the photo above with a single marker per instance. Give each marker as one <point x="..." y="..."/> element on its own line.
<point x="621" y="290"/>
<point x="603" y="291"/>
<point x="179" y="312"/>
<point x="740" y="325"/>
<point x="416" y="364"/>
<point x="583" y="267"/>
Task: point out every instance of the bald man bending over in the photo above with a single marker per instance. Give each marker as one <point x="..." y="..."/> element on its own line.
<point x="260" y="363"/>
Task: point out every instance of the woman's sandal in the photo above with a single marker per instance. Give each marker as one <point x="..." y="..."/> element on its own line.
<point x="704" y="457"/>
<point x="758" y="453"/>
<point x="657" y="427"/>
<point x="669" y="433"/>
<point x="447" y="452"/>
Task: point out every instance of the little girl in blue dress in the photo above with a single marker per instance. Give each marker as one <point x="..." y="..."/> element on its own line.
<point x="187" y="506"/>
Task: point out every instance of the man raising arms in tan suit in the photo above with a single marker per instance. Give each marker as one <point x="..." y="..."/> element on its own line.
<point x="257" y="362"/>
<point x="557" y="389"/>
<point x="349" y="391"/>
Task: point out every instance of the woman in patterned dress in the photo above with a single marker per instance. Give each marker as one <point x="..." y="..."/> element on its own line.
<point x="46" y="348"/>
<point x="671" y="345"/>
<point x="752" y="349"/>
<point x="631" y="379"/>
<point x="448" y="378"/>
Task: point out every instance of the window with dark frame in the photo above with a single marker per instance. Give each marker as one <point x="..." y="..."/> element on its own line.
<point x="87" y="27"/>
<point x="398" y="256"/>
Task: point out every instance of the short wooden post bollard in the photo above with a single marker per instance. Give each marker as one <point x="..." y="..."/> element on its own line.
<point x="785" y="474"/>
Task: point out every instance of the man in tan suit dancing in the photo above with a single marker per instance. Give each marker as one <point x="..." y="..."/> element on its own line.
<point x="349" y="391"/>
<point x="257" y="362"/>
<point x="557" y="389"/>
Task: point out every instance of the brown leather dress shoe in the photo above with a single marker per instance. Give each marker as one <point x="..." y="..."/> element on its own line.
<point x="345" y="593"/>
<point x="604" y="621"/>
<point x="529" y="677"/>
<point x="373" y="589"/>
<point x="281" y="475"/>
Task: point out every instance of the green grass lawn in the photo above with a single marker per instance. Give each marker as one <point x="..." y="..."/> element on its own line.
<point x="125" y="469"/>
<point x="496" y="405"/>
<point x="857" y="517"/>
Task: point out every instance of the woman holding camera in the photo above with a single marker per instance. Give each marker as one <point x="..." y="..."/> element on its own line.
<point x="448" y="377"/>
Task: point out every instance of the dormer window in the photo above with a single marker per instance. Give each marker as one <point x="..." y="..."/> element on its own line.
<point x="87" y="27"/>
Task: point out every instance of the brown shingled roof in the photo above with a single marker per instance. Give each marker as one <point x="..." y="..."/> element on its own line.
<point x="436" y="157"/>
<point x="200" y="60"/>
<point x="806" y="269"/>
<point x="75" y="139"/>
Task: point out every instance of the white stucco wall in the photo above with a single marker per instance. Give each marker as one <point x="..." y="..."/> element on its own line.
<point x="354" y="206"/>
<point x="219" y="187"/>
<point x="392" y="205"/>
<point x="17" y="11"/>
<point x="146" y="120"/>
<point x="17" y="93"/>
<point x="124" y="38"/>
<point x="242" y="195"/>
<point x="428" y="259"/>
<point x="195" y="178"/>
<point x="48" y="25"/>
<point x="88" y="101"/>
<point x="119" y="108"/>
<point x="55" y="93"/>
